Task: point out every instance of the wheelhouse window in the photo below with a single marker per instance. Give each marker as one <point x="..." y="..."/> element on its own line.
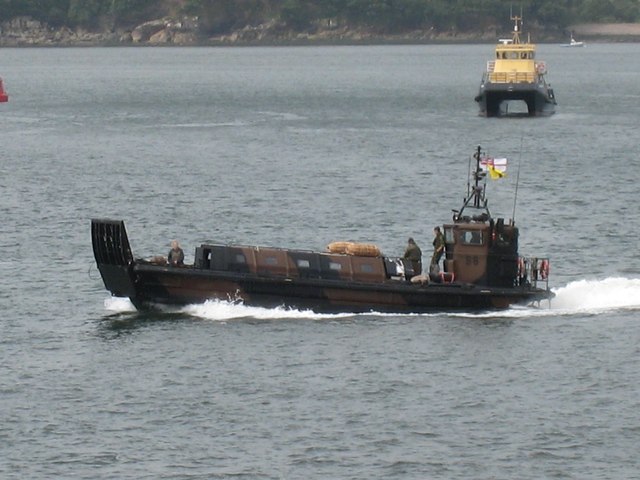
<point x="303" y="263"/>
<point x="471" y="237"/>
<point x="335" y="266"/>
<point x="240" y="258"/>
<point x="449" y="237"/>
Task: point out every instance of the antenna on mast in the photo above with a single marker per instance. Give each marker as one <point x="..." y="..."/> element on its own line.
<point x="469" y="177"/>
<point x="515" y="197"/>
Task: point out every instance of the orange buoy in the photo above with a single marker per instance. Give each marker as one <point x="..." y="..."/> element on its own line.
<point x="3" y="95"/>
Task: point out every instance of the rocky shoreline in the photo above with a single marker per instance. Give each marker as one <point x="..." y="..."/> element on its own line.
<point x="185" y="31"/>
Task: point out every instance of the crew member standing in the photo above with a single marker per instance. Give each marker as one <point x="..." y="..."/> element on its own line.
<point x="414" y="255"/>
<point x="176" y="255"/>
<point x="438" y="248"/>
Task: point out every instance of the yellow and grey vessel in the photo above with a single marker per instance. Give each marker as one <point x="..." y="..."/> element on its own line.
<point x="514" y="75"/>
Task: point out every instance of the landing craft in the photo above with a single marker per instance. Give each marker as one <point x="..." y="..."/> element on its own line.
<point x="482" y="269"/>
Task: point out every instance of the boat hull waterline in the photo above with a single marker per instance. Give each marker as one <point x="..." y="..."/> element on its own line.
<point x="494" y="99"/>
<point x="149" y="286"/>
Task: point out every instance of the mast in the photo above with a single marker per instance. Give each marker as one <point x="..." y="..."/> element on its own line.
<point x="475" y="195"/>
<point x="478" y="190"/>
<point x="516" y="27"/>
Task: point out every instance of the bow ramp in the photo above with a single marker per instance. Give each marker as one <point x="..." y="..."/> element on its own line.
<point x="112" y="252"/>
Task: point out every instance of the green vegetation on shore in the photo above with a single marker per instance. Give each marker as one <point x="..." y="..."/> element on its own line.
<point x="219" y="17"/>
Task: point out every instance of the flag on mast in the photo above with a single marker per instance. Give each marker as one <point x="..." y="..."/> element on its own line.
<point x="497" y="167"/>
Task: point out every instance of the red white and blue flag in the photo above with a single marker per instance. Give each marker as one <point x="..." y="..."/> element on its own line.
<point x="497" y="167"/>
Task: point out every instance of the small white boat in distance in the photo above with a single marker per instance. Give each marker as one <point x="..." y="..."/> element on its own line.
<point x="573" y="43"/>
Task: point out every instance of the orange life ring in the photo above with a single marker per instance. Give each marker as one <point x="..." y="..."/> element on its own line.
<point x="544" y="269"/>
<point x="521" y="267"/>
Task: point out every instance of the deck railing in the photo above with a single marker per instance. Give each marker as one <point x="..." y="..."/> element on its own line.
<point x="512" y="77"/>
<point x="534" y="271"/>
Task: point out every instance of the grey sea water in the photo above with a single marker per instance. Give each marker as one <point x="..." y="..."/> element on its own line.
<point x="299" y="147"/>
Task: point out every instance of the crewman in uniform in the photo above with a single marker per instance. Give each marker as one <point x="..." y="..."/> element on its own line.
<point x="176" y="255"/>
<point x="414" y="255"/>
<point x="438" y="250"/>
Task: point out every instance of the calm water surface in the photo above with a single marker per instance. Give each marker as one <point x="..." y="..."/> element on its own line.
<point x="299" y="147"/>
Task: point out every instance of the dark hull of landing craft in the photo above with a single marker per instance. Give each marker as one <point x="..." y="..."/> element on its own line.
<point x="150" y="285"/>
<point x="269" y="277"/>
<point x="493" y="99"/>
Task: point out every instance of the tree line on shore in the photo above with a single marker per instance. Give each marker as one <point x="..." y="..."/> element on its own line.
<point x="217" y="17"/>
